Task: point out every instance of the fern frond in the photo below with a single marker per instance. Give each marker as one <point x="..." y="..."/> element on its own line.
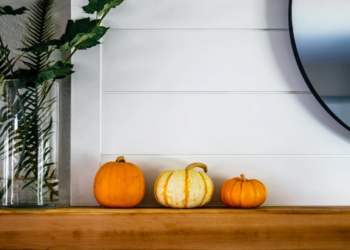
<point x="39" y="29"/>
<point x="31" y="110"/>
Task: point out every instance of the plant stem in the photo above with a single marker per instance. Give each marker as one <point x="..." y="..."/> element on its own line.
<point x="19" y="57"/>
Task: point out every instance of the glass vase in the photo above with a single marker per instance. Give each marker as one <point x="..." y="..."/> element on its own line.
<point x="29" y="144"/>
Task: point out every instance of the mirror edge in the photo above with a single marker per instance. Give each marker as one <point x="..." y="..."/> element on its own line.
<point x="302" y="70"/>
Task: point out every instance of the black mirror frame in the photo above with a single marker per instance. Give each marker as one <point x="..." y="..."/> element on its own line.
<point x="303" y="72"/>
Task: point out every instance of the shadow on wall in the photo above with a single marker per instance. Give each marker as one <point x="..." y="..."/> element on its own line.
<point x="284" y="56"/>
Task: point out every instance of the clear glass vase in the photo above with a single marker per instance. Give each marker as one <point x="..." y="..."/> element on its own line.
<point x="29" y="144"/>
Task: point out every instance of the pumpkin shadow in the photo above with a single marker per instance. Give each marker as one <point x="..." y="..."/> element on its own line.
<point x="286" y="61"/>
<point x="151" y="173"/>
<point x="218" y="180"/>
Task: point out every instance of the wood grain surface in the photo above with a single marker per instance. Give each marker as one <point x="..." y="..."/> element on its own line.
<point x="159" y="228"/>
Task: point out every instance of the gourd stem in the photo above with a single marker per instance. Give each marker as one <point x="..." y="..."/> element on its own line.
<point x="197" y="165"/>
<point x="120" y="159"/>
<point x="243" y="178"/>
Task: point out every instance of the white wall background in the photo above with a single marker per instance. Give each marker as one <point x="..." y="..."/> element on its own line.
<point x="184" y="81"/>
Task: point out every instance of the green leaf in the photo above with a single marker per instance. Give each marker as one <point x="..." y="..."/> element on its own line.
<point x="82" y="34"/>
<point x="110" y="5"/>
<point x="95" y="6"/>
<point x="93" y="38"/>
<point x="101" y="6"/>
<point x="26" y="76"/>
<point x="98" y="33"/>
<point x="59" y="70"/>
<point x="65" y="47"/>
<point x="8" y="10"/>
<point x="74" y="28"/>
<point x="88" y="43"/>
<point x="43" y="47"/>
<point x="39" y="30"/>
<point x="75" y="42"/>
<point x="4" y="49"/>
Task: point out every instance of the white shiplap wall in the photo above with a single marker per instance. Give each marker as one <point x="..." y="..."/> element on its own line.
<point x="211" y="81"/>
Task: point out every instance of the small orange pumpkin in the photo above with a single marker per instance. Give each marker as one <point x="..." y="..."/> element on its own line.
<point x="244" y="193"/>
<point x="119" y="184"/>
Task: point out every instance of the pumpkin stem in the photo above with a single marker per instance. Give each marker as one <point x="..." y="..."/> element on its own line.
<point x="120" y="159"/>
<point x="197" y="165"/>
<point x="243" y="178"/>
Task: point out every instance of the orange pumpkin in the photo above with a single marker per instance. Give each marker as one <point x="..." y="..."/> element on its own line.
<point x="119" y="184"/>
<point x="244" y="193"/>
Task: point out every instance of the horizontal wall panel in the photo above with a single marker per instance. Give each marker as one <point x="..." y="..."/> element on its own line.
<point x="199" y="61"/>
<point x="290" y="181"/>
<point x="161" y="123"/>
<point x="197" y="14"/>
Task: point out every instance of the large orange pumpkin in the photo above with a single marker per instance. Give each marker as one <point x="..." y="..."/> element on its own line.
<point x="119" y="184"/>
<point x="244" y="193"/>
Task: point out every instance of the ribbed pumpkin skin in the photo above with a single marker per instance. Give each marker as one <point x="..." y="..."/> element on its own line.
<point x="183" y="189"/>
<point x="244" y="194"/>
<point x="119" y="184"/>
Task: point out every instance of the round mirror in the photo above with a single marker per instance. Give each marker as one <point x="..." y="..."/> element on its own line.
<point x="320" y="34"/>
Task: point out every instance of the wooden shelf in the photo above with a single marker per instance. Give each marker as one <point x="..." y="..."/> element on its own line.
<point x="160" y="228"/>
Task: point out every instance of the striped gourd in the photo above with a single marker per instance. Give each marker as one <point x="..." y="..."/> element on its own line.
<point x="184" y="188"/>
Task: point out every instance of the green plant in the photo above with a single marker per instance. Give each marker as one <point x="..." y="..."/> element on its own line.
<point x="34" y="80"/>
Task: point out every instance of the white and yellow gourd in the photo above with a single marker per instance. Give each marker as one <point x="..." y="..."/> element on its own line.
<point x="184" y="188"/>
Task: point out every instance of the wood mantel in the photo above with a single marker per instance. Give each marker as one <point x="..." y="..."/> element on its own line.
<point x="159" y="228"/>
